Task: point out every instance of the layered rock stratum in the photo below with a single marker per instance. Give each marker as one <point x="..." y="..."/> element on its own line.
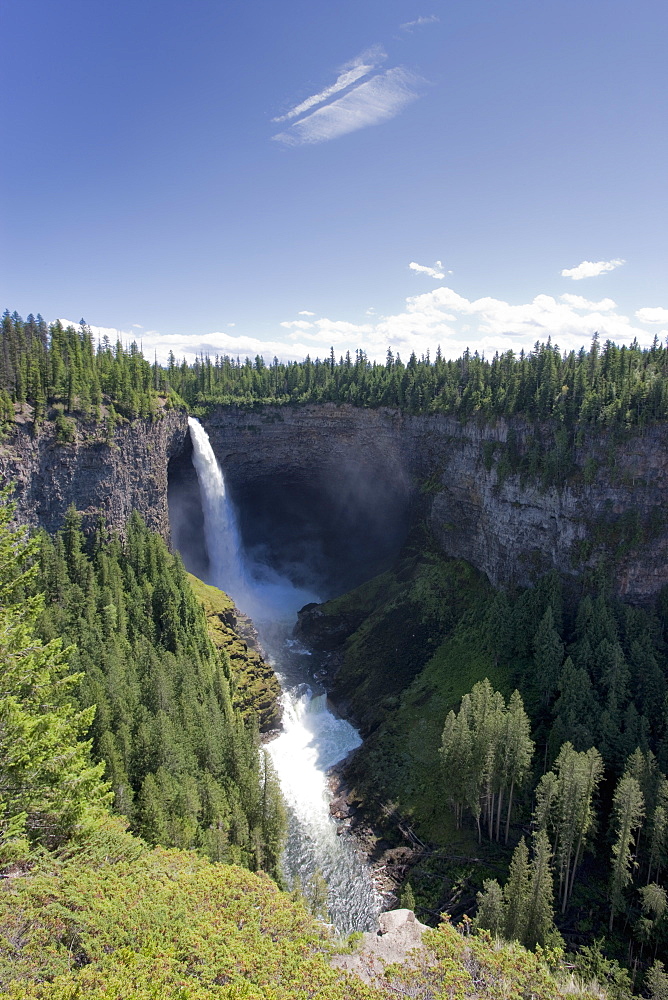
<point x="610" y="506"/>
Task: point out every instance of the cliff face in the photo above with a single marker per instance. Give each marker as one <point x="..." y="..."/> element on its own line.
<point x="98" y="478"/>
<point x="513" y="529"/>
<point x="370" y="470"/>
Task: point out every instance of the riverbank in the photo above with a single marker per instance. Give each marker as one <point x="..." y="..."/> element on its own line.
<point x="389" y="861"/>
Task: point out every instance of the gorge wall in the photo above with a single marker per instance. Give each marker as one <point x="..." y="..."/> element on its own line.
<point x="345" y="483"/>
<point x="450" y="473"/>
<point x="99" y="478"/>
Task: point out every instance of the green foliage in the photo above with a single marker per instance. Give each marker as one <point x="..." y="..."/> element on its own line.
<point x="656" y="982"/>
<point x="460" y="967"/>
<point x="407" y="897"/>
<point x="65" y="429"/>
<point x="592" y="966"/>
<point x="486" y="752"/>
<point x="47" y="779"/>
<point x="565" y="807"/>
<point x="108" y="919"/>
<point x="185" y="767"/>
<point x="628" y="812"/>
<point x="559" y="394"/>
<point x="52" y="366"/>
<point x="255" y="688"/>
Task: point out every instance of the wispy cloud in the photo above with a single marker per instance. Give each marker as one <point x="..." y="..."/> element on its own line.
<point x="305" y="312"/>
<point x="591" y="269"/>
<point x="419" y="22"/>
<point x="436" y="271"/>
<point x="349" y="74"/>
<point x="371" y="102"/>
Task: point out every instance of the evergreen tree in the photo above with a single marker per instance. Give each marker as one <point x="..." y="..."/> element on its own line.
<point x="517" y="749"/>
<point x="628" y="811"/>
<point x="565" y="805"/>
<point x="517" y="894"/>
<point x="490" y="915"/>
<point x="548" y="655"/>
<point x="184" y="767"/>
<point x="540" y="908"/>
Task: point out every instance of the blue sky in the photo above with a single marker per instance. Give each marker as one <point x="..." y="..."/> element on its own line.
<point x="242" y="176"/>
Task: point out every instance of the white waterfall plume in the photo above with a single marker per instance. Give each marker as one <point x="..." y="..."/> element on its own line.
<point x="223" y="541"/>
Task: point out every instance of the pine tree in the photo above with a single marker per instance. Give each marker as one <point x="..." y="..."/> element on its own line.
<point x="548" y="655"/>
<point x="540" y="908"/>
<point x="491" y="908"/>
<point x="517" y="894"/>
<point x="517" y="748"/>
<point x="628" y="811"/>
<point x="576" y="711"/>
<point x="656" y="981"/>
<point x="564" y="805"/>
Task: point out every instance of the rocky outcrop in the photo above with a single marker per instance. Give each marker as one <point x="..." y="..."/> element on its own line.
<point x="399" y="935"/>
<point x="98" y="477"/>
<point x="255" y="689"/>
<point x="511" y="527"/>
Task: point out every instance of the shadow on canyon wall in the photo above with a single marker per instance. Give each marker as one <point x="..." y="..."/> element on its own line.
<point x="326" y="528"/>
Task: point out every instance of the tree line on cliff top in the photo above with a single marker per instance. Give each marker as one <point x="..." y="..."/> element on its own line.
<point x="51" y="366"/>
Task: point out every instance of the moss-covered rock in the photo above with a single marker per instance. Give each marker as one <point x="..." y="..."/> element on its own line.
<point x="255" y="686"/>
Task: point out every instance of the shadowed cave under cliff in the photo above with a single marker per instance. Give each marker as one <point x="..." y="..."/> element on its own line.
<point x="324" y="531"/>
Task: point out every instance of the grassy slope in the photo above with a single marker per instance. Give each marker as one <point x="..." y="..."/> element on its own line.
<point x="257" y="689"/>
<point x="112" y="918"/>
<point x="400" y="621"/>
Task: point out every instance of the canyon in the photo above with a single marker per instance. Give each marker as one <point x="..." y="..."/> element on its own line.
<point x="335" y="488"/>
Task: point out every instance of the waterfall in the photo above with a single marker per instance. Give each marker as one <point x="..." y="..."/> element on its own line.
<point x="313" y="739"/>
<point x="223" y="541"/>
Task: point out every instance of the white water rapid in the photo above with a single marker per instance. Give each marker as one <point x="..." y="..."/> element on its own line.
<point x="313" y="739"/>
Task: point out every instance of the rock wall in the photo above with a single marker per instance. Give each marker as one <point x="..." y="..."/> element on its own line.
<point x="511" y="528"/>
<point x="98" y="478"/>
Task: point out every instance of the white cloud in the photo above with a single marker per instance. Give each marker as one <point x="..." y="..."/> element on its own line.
<point x="189" y="346"/>
<point x="112" y="332"/>
<point x="305" y="312"/>
<point x="349" y="74"/>
<point x="370" y="103"/>
<point x="579" y="302"/>
<point x="419" y="22"/>
<point x="591" y="269"/>
<point x="652" y="314"/>
<point x="296" y="324"/>
<point x="434" y="272"/>
<point x="443" y="317"/>
<point x="439" y="317"/>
